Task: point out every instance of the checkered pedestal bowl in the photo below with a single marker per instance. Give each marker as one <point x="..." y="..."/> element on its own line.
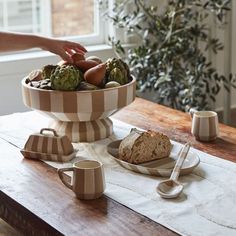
<point x="81" y="115"/>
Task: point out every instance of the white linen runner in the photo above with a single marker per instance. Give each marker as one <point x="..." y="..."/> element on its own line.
<point x="207" y="205"/>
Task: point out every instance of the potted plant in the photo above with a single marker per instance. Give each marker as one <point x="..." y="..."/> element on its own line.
<point x="168" y="59"/>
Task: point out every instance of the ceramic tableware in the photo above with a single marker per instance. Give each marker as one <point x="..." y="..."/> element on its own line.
<point x="49" y="146"/>
<point x="83" y="116"/>
<point x="88" y="180"/>
<point x="204" y="125"/>
<point x="161" y="167"/>
<point x="171" y="188"/>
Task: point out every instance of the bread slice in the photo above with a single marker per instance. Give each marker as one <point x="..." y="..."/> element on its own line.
<point x="139" y="147"/>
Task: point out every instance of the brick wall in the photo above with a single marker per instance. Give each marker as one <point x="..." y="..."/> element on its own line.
<point x="74" y="17"/>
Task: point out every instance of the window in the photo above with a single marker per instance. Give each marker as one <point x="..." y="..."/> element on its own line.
<point x="73" y="19"/>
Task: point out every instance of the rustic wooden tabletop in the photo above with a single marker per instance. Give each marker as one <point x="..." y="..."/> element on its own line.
<point x="33" y="200"/>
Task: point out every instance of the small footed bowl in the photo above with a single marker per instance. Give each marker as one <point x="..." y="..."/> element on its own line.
<point x="81" y="115"/>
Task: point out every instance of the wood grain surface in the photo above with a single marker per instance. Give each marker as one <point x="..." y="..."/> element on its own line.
<point x="32" y="194"/>
<point x="177" y="125"/>
<point x="33" y="200"/>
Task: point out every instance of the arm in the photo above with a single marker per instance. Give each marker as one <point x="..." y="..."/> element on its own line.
<point x="16" y="41"/>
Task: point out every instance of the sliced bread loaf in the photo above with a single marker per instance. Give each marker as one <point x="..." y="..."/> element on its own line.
<point x="139" y="147"/>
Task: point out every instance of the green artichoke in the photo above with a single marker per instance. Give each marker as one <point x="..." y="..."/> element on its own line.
<point x="118" y="76"/>
<point x="47" y="71"/>
<point x="117" y="70"/>
<point x="65" y="78"/>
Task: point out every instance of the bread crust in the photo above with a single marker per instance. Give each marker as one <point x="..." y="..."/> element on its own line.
<point x="140" y="147"/>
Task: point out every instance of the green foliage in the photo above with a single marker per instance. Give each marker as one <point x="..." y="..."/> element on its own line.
<point x="168" y="59"/>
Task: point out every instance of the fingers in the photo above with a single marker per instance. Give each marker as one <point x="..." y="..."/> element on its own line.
<point x="66" y="57"/>
<point x="75" y="47"/>
<point x="70" y="49"/>
<point x="80" y="48"/>
<point x="65" y="49"/>
<point x="79" y="51"/>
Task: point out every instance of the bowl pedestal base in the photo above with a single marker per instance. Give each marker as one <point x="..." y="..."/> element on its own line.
<point x="86" y="131"/>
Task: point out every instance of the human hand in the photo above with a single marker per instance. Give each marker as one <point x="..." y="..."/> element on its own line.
<point x="65" y="49"/>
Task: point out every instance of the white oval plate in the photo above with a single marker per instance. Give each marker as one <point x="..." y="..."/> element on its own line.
<point x="162" y="167"/>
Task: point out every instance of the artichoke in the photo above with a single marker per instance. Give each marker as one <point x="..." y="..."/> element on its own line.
<point x="65" y="78"/>
<point x="47" y="71"/>
<point x="117" y="70"/>
<point x="117" y="75"/>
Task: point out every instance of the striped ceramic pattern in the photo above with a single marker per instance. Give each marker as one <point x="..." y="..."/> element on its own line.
<point x="47" y="156"/>
<point x="88" y="184"/>
<point x="84" y="131"/>
<point x="79" y="105"/>
<point x="170" y="188"/>
<point x="48" y="147"/>
<point x="142" y="169"/>
<point x="47" y="144"/>
<point x="88" y="181"/>
<point x="158" y="171"/>
<point x="161" y="167"/>
<point x="180" y="161"/>
<point x="205" y="128"/>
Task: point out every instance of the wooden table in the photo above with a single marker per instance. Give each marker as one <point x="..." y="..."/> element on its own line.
<point x="34" y="201"/>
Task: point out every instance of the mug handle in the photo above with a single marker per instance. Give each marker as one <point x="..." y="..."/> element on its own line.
<point x="192" y="111"/>
<point x="60" y="173"/>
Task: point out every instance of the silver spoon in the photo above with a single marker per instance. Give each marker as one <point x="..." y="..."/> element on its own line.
<point x="171" y="188"/>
